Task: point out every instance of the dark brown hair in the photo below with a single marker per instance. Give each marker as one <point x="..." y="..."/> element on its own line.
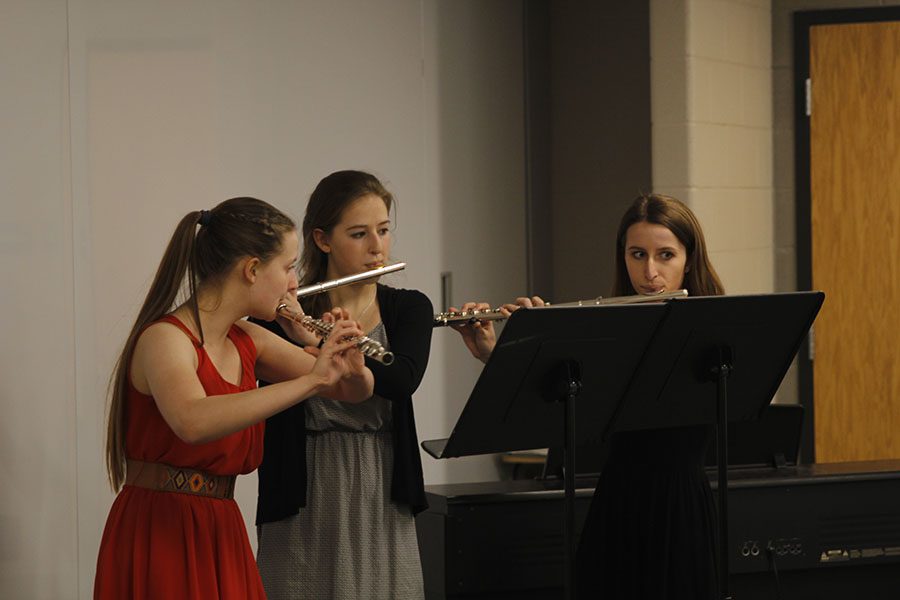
<point x="326" y="205"/>
<point x="194" y="258"/>
<point x="700" y="279"/>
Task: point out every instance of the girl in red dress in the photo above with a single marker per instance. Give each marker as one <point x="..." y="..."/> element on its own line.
<point x="186" y="416"/>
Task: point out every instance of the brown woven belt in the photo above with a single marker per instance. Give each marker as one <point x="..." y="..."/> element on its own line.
<point x="165" y="478"/>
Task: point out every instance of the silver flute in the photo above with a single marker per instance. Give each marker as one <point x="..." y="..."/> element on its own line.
<point x="495" y="314"/>
<point x="369" y="347"/>
<point x="318" y="288"/>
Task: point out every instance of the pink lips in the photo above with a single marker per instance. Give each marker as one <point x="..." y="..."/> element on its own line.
<point x="650" y="291"/>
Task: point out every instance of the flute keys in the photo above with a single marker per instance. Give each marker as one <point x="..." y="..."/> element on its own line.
<point x="368" y="346"/>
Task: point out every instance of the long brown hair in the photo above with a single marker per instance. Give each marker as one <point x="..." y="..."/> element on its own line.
<point x="326" y="205"/>
<point x="700" y="279"/>
<point x="236" y="228"/>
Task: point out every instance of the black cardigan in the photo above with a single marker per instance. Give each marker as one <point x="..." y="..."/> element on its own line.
<point x="407" y="316"/>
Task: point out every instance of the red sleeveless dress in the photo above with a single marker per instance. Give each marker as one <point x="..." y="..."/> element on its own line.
<point x="160" y="544"/>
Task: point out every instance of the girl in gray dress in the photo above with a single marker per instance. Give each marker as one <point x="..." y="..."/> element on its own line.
<point x="340" y="483"/>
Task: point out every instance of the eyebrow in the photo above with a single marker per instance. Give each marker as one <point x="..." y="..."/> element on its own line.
<point x="663" y="249"/>
<point x="349" y="227"/>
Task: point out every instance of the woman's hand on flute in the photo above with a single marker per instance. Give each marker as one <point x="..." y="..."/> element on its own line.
<point x="354" y="358"/>
<point x="523" y="302"/>
<point x="478" y="336"/>
<point x="340" y="362"/>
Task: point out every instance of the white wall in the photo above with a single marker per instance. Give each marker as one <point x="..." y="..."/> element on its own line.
<point x="38" y="534"/>
<point x="476" y="165"/>
<point x="120" y="116"/>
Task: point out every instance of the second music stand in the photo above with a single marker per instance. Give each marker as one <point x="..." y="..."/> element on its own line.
<point x="550" y="364"/>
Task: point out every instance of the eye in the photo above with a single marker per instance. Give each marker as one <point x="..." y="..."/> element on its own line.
<point x="384" y="231"/>
<point x="638" y="254"/>
<point x="357" y="234"/>
<point x="667" y="255"/>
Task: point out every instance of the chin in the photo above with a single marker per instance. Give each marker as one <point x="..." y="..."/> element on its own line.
<point x="268" y="315"/>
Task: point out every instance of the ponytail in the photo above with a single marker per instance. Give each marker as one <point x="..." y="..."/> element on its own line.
<point x="175" y="263"/>
<point x="236" y="228"/>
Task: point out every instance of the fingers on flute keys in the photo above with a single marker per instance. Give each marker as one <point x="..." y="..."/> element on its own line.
<point x="522" y="302"/>
<point x="335" y="314"/>
<point x="474" y="322"/>
<point x="343" y="336"/>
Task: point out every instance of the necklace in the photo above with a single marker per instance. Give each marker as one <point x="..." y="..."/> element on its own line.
<point x="368" y="306"/>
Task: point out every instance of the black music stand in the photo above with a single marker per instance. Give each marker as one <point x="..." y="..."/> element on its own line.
<point x="642" y="367"/>
<point x="739" y="346"/>
<point x="549" y="363"/>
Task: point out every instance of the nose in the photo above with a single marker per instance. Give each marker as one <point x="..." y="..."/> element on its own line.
<point x="650" y="270"/>
<point x="293" y="283"/>
<point x="377" y="244"/>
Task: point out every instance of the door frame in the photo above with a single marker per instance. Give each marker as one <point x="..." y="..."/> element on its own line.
<point x="803" y="22"/>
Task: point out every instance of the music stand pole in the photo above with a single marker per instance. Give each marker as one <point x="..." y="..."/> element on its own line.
<point x="573" y="387"/>
<point x="721" y="370"/>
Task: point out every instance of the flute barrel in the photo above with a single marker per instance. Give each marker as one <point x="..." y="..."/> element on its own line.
<point x="318" y="288"/>
<point x="494" y="314"/>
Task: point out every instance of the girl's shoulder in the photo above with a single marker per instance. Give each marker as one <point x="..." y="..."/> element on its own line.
<point x="168" y="329"/>
<point x="403" y="308"/>
<point x="402" y="298"/>
<point x="255" y="332"/>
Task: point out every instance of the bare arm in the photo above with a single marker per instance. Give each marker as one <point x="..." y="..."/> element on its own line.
<point x="165" y="366"/>
<point x="279" y="360"/>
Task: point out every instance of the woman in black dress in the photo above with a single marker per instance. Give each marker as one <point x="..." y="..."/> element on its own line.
<point x="650" y="532"/>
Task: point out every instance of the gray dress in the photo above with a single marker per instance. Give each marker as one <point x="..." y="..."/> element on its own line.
<point x="350" y="541"/>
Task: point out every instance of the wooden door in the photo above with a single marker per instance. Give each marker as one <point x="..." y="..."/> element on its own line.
<point x="855" y="238"/>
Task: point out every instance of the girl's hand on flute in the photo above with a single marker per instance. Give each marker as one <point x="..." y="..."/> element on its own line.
<point x="339" y="357"/>
<point x="294" y="330"/>
<point x="355" y="361"/>
<point x="522" y="302"/>
<point x="478" y="336"/>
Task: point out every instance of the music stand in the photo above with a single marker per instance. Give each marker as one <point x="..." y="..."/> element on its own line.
<point x="642" y="366"/>
<point x="548" y="364"/>
<point x="741" y="346"/>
